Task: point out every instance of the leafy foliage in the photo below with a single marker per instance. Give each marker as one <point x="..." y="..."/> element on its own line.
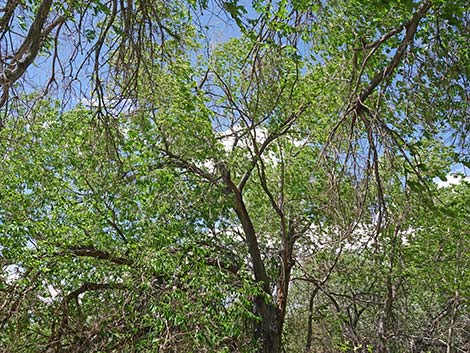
<point x="272" y="191"/>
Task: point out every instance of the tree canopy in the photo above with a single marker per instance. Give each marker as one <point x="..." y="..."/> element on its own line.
<point x="233" y="176"/>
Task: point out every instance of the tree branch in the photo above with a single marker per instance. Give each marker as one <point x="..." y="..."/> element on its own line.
<point x="90" y="251"/>
<point x="88" y="286"/>
<point x="285" y="126"/>
<point x="249" y="230"/>
<point x="29" y="48"/>
<point x="8" y="10"/>
<point x="183" y="163"/>
<point x="411" y="27"/>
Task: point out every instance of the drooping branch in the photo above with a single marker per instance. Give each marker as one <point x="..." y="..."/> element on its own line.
<point x="357" y="105"/>
<point x="411" y="27"/>
<point x="29" y="49"/>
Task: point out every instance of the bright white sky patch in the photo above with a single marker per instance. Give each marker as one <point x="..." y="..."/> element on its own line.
<point x="52" y="294"/>
<point x="452" y="179"/>
<point x="12" y="273"/>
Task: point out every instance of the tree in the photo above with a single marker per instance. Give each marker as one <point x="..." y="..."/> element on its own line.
<point x="389" y="296"/>
<point x="105" y="263"/>
<point x="92" y="42"/>
<point x="212" y="183"/>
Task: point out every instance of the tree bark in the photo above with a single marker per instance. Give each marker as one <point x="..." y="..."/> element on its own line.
<point x="269" y="329"/>
<point x="308" y="345"/>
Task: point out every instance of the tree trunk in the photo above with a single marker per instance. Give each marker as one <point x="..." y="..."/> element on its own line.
<point x="268" y="330"/>
<point x="308" y="345"/>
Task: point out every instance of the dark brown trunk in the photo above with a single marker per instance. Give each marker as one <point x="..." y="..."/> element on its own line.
<point x="269" y="329"/>
<point x="308" y="345"/>
<point x="284" y="276"/>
